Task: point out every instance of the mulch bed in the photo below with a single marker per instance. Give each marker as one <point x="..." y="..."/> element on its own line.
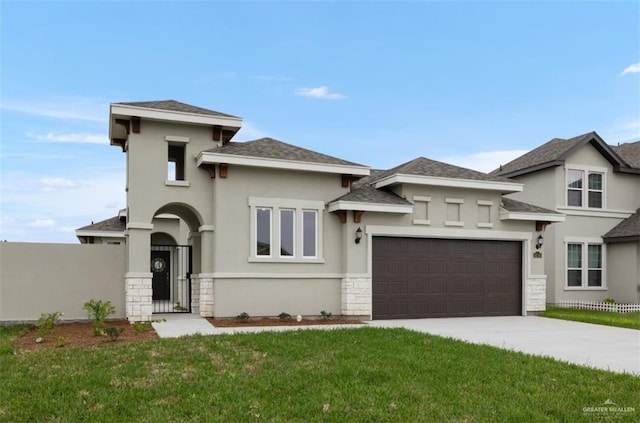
<point x="275" y="321"/>
<point x="80" y="334"/>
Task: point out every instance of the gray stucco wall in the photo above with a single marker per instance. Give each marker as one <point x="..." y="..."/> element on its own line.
<point x="44" y="278"/>
<point x="272" y="296"/>
<point x="623" y="272"/>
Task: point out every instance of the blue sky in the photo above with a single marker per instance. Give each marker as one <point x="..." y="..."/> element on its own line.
<point x="378" y="83"/>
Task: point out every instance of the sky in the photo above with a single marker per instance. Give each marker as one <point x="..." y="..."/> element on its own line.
<point x="470" y="83"/>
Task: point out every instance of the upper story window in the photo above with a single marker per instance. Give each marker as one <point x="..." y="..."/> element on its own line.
<point x="286" y="230"/>
<point x="585" y="188"/>
<point x="176" y="166"/>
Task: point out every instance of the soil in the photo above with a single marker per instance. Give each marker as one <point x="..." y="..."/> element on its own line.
<point x="275" y="321"/>
<point x="80" y="334"/>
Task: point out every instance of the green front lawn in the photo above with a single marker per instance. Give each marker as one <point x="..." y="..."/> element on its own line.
<point x="342" y="375"/>
<point x="623" y="320"/>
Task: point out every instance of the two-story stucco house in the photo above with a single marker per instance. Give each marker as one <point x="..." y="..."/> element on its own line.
<point x="269" y="227"/>
<point x="595" y="253"/>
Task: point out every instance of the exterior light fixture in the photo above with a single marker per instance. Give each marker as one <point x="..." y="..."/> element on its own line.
<point x="358" y="235"/>
<point x="540" y="242"/>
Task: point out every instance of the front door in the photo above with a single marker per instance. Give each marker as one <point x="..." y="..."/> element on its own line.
<point x="160" y="267"/>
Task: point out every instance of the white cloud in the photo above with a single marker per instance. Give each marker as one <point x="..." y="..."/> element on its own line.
<point x="484" y="161"/>
<point x="248" y="132"/>
<point x="62" y="108"/>
<point x="634" y="68"/>
<point x="624" y="129"/>
<point x="68" y="202"/>
<point x="79" y="138"/>
<point x="57" y="183"/>
<point x="42" y="224"/>
<point x="320" y="92"/>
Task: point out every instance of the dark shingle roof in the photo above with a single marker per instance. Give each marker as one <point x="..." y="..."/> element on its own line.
<point x="175" y="106"/>
<point x="363" y="192"/>
<point x="512" y="205"/>
<point x="427" y="167"/>
<point x="273" y="149"/>
<point x="553" y="153"/>
<point x="115" y="224"/>
<point x="627" y="230"/>
<point x="629" y="152"/>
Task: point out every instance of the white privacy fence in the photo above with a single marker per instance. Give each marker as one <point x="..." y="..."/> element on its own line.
<point x="598" y="306"/>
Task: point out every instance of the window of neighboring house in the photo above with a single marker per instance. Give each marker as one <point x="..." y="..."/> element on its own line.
<point x="292" y="227"/>
<point x="578" y="189"/>
<point x="309" y="231"/>
<point x="263" y="232"/>
<point x="584" y="265"/>
<point x="287" y="232"/>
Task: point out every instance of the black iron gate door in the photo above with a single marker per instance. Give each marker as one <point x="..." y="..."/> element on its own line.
<point x="171" y="266"/>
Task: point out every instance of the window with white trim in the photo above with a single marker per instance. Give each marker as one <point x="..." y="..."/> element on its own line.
<point x="585" y="188"/>
<point x="585" y="261"/>
<point x="285" y="230"/>
<point x="309" y="232"/>
<point x="263" y="232"/>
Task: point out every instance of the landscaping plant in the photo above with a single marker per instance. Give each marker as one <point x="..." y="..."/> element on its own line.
<point x="47" y="322"/>
<point x="243" y="317"/>
<point x="98" y="312"/>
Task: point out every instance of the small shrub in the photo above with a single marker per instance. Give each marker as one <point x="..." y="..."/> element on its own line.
<point x="284" y="316"/>
<point x="113" y="332"/>
<point x="61" y="342"/>
<point x="325" y="315"/>
<point x="98" y="311"/>
<point x="140" y="327"/>
<point x="243" y="317"/>
<point x="179" y="307"/>
<point x="609" y="301"/>
<point x="47" y="322"/>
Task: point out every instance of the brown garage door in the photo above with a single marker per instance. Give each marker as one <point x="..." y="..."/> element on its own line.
<point x="415" y="277"/>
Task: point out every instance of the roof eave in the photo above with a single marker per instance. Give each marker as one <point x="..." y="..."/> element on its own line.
<point x="615" y="239"/>
<point x="373" y="207"/>
<point x="532" y="216"/>
<point x="532" y="169"/>
<point x="123" y="110"/>
<point x="206" y="157"/>
<point x="503" y="187"/>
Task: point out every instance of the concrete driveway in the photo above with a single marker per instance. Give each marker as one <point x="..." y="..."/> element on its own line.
<point x="602" y="347"/>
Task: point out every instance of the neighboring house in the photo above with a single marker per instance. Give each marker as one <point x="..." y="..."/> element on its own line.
<point x="270" y="227"/>
<point x="167" y="230"/>
<point x="595" y="253"/>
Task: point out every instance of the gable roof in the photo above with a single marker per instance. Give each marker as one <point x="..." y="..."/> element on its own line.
<point x="271" y="153"/>
<point x="627" y="230"/>
<point x="629" y="152"/>
<point x="422" y="166"/>
<point x="174" y="106"/>
<point x="555" y="152"/>
<point x="362" y="191"/>
<point x="425" y="171"/>
<point x="512" y="205"/>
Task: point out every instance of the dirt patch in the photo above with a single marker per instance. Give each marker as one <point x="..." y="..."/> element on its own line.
<point x="275" y="321"/>
<point x="80" y="334"/>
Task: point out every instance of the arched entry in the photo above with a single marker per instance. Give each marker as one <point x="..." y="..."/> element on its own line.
<point x="172" y="258"/>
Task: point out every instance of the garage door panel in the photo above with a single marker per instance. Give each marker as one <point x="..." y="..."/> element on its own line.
<point x="415" y="278"/>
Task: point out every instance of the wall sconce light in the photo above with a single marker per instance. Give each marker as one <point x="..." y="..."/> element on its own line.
<point x="540" y="242"/>
<point x="358" y="235"/>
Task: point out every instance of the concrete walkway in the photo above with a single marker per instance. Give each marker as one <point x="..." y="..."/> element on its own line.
<point x="603" y="347"/>
<point x="182" y="324"/>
